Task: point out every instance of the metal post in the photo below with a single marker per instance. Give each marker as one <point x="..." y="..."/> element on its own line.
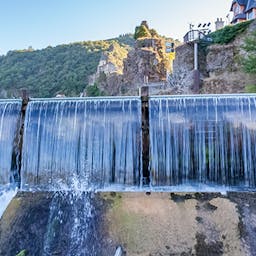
<point x="196" y="73"/>
<point x="195" y="55"/>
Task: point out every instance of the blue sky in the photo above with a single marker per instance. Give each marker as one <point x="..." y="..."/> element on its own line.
<point x="40" y="23"/>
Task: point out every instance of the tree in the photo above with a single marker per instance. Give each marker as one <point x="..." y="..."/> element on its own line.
<point x="141" y="32"/>
<point x="153" y="33"/>
<point x="93" y="91"/>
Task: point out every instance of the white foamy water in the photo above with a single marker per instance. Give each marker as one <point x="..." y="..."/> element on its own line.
<point x="5" y="199"/>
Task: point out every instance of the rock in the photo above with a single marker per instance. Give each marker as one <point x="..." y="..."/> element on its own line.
<point x="147" y="62"/>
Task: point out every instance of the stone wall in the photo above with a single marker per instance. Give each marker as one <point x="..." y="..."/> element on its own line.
<point x="223" y="64"/>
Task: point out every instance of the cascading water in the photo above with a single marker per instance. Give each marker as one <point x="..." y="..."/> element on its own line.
<point x="71" y="225"/>
<point x="9" y="118"/>
<point x="88" y="143"/>
<point x="203" y="140"/>
<point x="9" y="121"/>
<point x="79" y="145"/>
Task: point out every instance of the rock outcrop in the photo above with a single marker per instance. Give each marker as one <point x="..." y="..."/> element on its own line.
<point x="225" y="71"/>
<point x="146" y="63"/>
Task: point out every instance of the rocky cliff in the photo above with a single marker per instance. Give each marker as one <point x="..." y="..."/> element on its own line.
<point x="220" y="67"/>
<point x="147" y="62"/>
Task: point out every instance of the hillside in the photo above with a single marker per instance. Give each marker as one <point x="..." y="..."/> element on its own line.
<point x="122" y="72"/>
<point x="64" y="69"/>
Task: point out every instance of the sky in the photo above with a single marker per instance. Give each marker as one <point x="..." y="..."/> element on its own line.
<point x="42" y="23"/>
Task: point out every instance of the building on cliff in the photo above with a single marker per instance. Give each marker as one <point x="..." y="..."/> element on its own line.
<point x="243" y="10"/>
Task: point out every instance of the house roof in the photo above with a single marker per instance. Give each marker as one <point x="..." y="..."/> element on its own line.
<point x="239" y="16"/>
<point x="240" y="2"/>
<point x="250" y="5"/>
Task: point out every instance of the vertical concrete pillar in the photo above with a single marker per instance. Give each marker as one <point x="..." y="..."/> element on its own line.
<point x="19" y="135"/>
<point x="144" y="93"/>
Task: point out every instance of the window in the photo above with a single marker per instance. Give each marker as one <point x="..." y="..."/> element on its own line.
<point x="250" y="15"/>
<point x="237" y="9"/>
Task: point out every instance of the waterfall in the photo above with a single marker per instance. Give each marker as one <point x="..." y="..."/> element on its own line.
<point x="203" y="139"/>
<point x="9" y="120"/>
<point x="82" y="143"/>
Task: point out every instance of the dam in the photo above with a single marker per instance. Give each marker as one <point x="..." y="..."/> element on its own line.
<point x="79" y="166"/>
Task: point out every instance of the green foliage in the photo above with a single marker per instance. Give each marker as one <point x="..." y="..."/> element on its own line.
<point x="141" y="32"/>
<point x="126" y="39"/>
<point x="63" y="69"/>
<point x="249" y="62"/>
<point x="250" y="88"/>
<point x="22" y="253"/>
<point x="93" y="91"/>
<point x="153" y="33"/>
<point x="229" y="33"/>
<point x="116" y="54"/>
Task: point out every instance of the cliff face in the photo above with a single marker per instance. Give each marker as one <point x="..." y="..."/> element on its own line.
<point x="182" y="78"/>
<point x="220" y="67"/>
<point x="226" y="73"/>
<point x="147" y="62"/>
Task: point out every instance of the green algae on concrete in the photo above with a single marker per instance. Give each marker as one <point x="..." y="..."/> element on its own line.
<point x="174" y="224"/>
<point x="145" y="224"/>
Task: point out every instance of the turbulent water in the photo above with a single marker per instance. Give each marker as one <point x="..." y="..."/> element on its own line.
<point x="204" y="139"/>
<point x="9" y="120"/>
<point x="82" y="143"/>
<point x="5" y="198"/>
<point x="71" y="225"/>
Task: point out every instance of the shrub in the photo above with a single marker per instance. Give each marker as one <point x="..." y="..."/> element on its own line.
<point x="93" y="91"/>
<point x="250" y="88"/>
<point x="229" y="33"/>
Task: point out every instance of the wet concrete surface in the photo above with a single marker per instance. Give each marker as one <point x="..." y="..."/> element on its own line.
<point x="143" y="224"/>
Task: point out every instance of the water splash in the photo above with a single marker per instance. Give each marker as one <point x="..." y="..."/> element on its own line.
<point x="6" y="195"/>
<point x="71" y="225"/>
<point x="207" y="139"/>
<point x="95" y="141"/>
